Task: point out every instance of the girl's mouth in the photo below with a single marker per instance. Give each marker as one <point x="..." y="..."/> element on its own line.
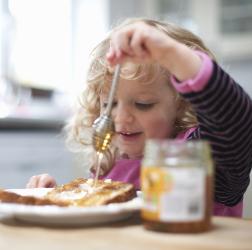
<point x="129" y="136"/>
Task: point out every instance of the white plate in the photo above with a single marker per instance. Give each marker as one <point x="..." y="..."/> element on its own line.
<point x="54" y="215"/>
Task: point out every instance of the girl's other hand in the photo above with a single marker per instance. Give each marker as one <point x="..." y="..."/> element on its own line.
<point x="41" y="181"/>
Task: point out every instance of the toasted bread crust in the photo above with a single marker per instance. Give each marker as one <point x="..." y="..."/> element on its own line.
<point x="10" y="197"/>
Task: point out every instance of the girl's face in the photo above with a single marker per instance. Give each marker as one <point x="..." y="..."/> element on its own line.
<point x="141" y="111"/>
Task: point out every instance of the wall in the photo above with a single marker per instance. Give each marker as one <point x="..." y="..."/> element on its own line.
<point x="27" y="153"/>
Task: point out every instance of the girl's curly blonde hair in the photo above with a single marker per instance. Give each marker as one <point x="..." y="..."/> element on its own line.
<point x="99" y="75"/>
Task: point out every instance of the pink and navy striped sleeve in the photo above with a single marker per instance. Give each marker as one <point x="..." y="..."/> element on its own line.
<point x="224" y="112"/>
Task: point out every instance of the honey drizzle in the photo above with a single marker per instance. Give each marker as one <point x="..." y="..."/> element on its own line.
<point x="98" y="166"/>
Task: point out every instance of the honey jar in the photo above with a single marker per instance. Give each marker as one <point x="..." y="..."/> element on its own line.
<point x="177" y="186"/>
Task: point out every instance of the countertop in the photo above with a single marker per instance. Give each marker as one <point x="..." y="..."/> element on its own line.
<point x="227" y="233"/>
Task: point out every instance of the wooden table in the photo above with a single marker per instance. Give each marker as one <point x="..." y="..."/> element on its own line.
<point x="227" y="233"/>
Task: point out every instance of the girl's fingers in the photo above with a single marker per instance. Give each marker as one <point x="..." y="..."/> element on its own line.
<point x="46" y="181"/>
<point x="125" y="43"/>
<point x="137" y="45"/>
<point x="114" y="59"/>
<point x="110" y="54"/>
<point x="120" y="47"/>
<point x="41" y="181"/>
<point x="32" y="183"/>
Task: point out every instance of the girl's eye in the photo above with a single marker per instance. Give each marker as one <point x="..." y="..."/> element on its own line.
<point x="105" y="104"/>
<point x="144" y="106"/>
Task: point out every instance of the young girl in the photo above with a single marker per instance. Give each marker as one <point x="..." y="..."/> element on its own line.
<point x="170" y="87"/>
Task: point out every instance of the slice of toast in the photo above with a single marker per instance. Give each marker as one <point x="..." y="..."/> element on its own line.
<point x="80" y="192"/>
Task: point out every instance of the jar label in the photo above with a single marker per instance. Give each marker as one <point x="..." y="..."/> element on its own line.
<point x="173" y="194"/>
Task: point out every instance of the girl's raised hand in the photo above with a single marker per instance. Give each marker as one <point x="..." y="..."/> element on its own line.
<point x="139" y="42"/>
<point x="142" y="43"/>
<point x="41" y="181"/>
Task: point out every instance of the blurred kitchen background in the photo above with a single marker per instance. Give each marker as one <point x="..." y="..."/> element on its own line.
<point x="44" y="48"/>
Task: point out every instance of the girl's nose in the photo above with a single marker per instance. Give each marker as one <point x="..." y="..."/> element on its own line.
<point x="122" y="114"/>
